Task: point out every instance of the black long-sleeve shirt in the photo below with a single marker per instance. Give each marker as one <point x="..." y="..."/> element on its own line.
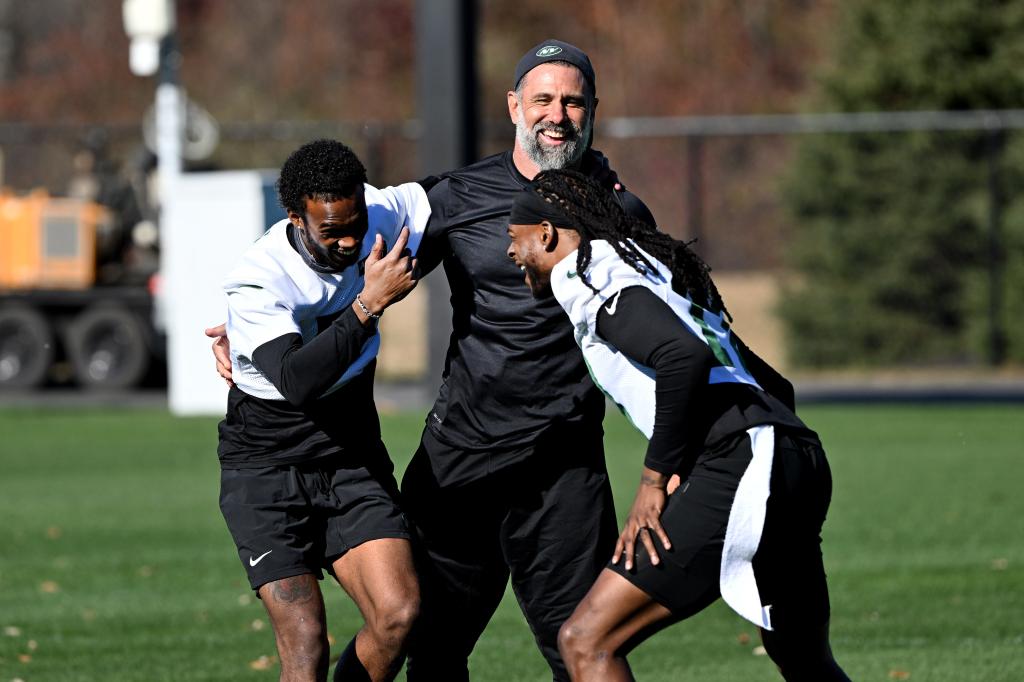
<point x="689" y="412"/>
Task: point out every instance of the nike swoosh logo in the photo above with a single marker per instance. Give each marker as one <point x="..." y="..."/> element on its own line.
<point x="614" y="303"/>
<point x="253" y="562"/>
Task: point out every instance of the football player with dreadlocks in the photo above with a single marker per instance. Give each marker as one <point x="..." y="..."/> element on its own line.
<point x="745" y="523"/>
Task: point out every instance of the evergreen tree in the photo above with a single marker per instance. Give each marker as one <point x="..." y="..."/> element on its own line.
<point x="892" y="229"/>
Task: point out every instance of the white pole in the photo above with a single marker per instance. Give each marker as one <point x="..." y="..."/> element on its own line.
<point x="169" y="127"/>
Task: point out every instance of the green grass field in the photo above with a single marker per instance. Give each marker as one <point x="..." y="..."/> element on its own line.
<point x="115" y="563"/>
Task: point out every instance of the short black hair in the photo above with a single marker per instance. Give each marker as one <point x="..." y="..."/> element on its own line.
<point x="324" y="170"/>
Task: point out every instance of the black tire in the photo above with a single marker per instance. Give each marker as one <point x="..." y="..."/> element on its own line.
<point x="26" y="347"/>
<point x="108" y="348"/>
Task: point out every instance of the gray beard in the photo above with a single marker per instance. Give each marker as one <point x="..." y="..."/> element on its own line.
<point x="564" y="155"/>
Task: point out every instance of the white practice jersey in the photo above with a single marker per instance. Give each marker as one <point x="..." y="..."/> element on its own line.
<point x="630" y="384"/>
<point x="273" y="292"/>
<point x="632" y="387"/>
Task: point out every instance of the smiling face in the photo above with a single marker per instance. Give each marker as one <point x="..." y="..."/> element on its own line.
<point x="333" y="231"/>
<point x="530" y="249"/>
<point x="553" y="111"/>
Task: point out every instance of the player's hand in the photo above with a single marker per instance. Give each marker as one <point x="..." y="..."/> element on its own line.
<point x="388" y="278"/>
<point x="221" y="351"/>
<point x="644" y="520"/>
<point x="595" y="164"/>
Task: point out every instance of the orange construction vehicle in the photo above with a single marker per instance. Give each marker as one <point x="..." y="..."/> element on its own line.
<point x="71" y="306"/>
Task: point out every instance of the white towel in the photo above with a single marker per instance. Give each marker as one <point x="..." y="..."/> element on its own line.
<point x="743" y="533"/>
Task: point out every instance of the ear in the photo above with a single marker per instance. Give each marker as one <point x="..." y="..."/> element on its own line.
<point x="513" y="106"/>
<point x="548" y="236"/>
<point x="296" y="220"/>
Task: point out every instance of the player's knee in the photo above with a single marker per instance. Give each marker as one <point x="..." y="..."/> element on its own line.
<point x="401" y="620"/>
<point x="576" y="642"/>
<point x="303" y="642"/>
<point x="394" y="619"/>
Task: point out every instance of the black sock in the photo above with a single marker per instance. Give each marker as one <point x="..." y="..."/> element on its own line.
<point x="350" y="668"/>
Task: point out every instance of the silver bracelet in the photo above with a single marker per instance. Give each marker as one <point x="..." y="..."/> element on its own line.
<point x="366" y="311"/>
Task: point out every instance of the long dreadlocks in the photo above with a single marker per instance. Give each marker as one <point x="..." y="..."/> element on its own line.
<point x="596" y="215"/>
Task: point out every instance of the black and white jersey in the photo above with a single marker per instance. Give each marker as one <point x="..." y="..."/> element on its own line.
<point x="688" y="383"/>
<point x="273" y="291"/>
<point x="513" y="370"/>
<point x="675" y="369"/>
<point x="302" y="362"/>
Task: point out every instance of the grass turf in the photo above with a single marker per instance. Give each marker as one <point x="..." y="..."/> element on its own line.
<point x="115" y="563"/>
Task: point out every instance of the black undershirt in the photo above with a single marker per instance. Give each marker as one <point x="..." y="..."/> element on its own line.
<point x="302" y="372"/>
<point x="690" y="413"/>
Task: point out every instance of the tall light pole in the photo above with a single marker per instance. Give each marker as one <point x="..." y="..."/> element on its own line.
<point x="150" y="25"/>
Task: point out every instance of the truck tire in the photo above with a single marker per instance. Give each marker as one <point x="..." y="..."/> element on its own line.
<point x="26" y="347"/>
<point x="108" y="348"/>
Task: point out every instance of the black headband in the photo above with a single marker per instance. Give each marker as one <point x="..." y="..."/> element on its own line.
<point x="529" y="208"/>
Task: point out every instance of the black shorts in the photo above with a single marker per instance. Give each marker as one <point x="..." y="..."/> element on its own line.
<point x="296" y="519"/>
<point x="788" y="563"/>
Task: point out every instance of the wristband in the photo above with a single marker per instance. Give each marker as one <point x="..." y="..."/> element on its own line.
<point x="366" y="311"/>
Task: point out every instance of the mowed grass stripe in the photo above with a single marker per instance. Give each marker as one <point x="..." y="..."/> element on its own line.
<point x="115" y="563"/>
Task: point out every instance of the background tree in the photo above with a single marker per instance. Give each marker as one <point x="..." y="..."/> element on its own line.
<point x="892" y="237"/>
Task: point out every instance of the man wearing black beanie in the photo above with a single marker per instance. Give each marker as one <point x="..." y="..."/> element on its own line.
<point x="509" y="478"/>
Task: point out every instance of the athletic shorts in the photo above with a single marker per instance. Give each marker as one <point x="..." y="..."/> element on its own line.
<point x="298" y="519"/>
<point x="787" y="565"/>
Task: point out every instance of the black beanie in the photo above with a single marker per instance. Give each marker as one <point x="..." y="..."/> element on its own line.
<point x="555" y="51"/>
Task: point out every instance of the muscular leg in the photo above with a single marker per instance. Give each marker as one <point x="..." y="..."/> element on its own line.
<point x="296" y="609"/>
<point x="380" y="578"/>
<point x="613" y="618"/>
<point x="621" y="610"/>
